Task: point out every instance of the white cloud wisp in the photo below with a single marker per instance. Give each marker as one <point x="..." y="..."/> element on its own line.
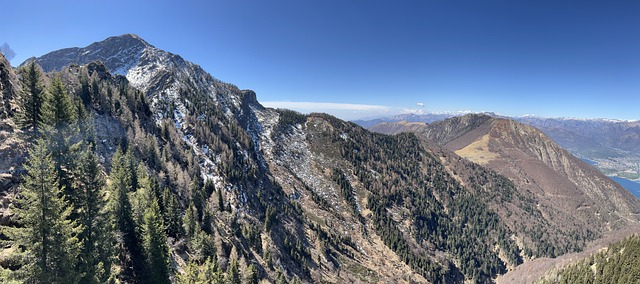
<point x="340" y="110"/>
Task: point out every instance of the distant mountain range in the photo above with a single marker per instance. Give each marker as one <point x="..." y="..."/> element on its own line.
<point x="613" y="145"/>
<point x="410" y="117"/>
<point x="290" y="198"/>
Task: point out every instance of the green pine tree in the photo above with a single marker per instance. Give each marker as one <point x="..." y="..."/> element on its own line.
<point x="155" y="245"/>
<point x="206" y="273"/>
<point x="131" y="258"/>
<point x="282" y="279"/>
<point x="189" y="221"/>
<point x="233" y="273"/>
<point x="209" y="188"/>
<point x="86" y="128"/>
<point x="131" y="166"/>
<point x="201" y="246"/>
<point x="32" y="98"/>
<point x="190" y="275"/>
<point x="142" y="196"/>
<point x="85" y="89"/>
<point x="220" y="201"/>
<point x="58" y="117"/>
<point x="97" y="244"/>
<point x="212" y="271"/>
<point x="252" y="275"/>
<point x="171" y="214"/>
<point x="48" y="236"/>
<point x="58" y="111"/>
<point x="198" y="198"/>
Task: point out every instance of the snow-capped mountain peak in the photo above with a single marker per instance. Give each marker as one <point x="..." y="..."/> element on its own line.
<point x="118" y="53"/>
<point x="160" y="74"/>
<point x="171" y="84"/>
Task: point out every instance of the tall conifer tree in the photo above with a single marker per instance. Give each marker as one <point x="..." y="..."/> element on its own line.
<point x="58" y="111"/>
<point x="131" y="257"/>
<point x="32" y="98"/>
<point x="96" y="234"/>
<point x="58" y="116"/>
<point x="48" y="236"/>
<point x="155" y="245"/>
<point x="171" y="214"/>
<point x="233" y="272"/>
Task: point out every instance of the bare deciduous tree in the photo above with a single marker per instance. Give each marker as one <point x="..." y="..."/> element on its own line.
<point x="7" y="51"/>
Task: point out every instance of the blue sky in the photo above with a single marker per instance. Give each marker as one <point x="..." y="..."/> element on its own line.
<point x="365" y="58"/>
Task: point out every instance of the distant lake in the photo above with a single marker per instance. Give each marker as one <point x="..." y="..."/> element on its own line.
<point x="631" y="186"/>
<point x="590" y="162"/>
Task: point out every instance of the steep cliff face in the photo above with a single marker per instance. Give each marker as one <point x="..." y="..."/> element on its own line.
<point x="9" y="86"/>
<point x="11" y="147"/>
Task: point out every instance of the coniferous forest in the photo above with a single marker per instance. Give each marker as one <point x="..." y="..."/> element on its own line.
<point x="616" y="264"/>
<point x="110" y="193"/>
<point x="73" y="221"/>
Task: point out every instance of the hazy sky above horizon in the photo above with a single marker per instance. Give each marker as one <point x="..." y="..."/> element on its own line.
<point x="365" y="58"/>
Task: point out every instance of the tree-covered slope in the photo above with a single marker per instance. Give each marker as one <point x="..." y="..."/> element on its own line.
<point x="446" y="218"/>
<point x="617" y="263"/>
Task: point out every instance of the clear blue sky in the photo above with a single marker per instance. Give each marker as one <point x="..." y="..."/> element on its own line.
<point x="544" y="57"/>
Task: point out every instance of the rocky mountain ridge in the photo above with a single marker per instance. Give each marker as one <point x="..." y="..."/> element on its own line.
<point x="163" y="76"/>
<point x="9" y="86"/>
<point x="118" y="53"/>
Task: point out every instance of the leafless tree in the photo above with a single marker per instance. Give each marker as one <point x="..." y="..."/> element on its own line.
<point x="7" y="51"/>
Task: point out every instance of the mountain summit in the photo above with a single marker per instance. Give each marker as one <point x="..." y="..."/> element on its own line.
<point x="118" y="53"/>
<point x="164" y="77"/>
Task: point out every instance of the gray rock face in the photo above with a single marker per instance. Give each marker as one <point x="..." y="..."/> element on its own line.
<point x="9" y="86"/>
<point x="118" y="53"/>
